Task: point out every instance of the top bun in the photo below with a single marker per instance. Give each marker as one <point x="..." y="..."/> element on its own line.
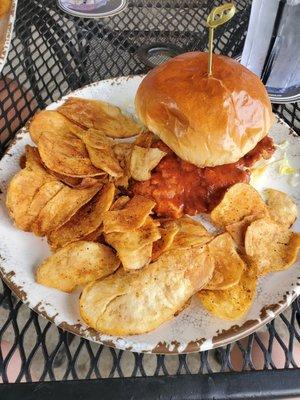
<point x="206" y="121"/>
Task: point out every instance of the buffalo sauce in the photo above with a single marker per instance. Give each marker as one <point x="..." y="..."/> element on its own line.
<point x="179" y="187"/>
<point x="265" y="148"/>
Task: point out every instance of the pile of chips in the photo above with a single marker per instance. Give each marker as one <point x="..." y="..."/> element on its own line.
<point x="139" y="270"/>
<point x="263" y="241"/>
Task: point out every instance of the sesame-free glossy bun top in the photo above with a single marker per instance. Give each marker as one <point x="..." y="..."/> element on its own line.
<point x="206" y="121"/>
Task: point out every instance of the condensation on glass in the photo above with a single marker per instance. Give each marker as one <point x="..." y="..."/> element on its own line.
<point x="272" y="48"/>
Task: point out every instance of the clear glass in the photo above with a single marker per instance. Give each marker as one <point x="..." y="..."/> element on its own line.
<point x="272" y="47"/>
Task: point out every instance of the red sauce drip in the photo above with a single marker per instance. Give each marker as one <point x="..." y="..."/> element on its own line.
<point x="179" y="187"/>
<point x="264" y="149"/>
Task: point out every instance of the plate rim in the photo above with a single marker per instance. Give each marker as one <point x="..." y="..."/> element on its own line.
<point x="228" y="336"/>
<point x="192" y="346"/>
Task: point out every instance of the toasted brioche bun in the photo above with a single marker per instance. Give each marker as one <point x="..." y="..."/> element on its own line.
<point x="206" y="121"/>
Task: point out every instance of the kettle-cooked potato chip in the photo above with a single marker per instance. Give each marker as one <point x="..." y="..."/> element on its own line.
<point x="101" y="153"/>
<point x="51" y="121"/>
<point x="25" y="188"/>
<point x="270" y="246"/>
<point x="34" y="162"/>
<point x="237" y="230"/>
<point x="77" y="264"/>
<point x="131" y="217"/>
<point x="66" y="154"/>
<point x="281" y="207"/>
<point x="135" y="259"/>
<point x="86" y="220"/>
<point x="128" y="303"/>
<point x="168" y="231"/>
<point x="191" y="233"/>
<point x="120" y="203"/>
<point x="99" y="115"/>
<point x="20" y="193"/>
<point x="231" y="303"/>
<point x="239" y="201"/>
<point x="134" y="239"/>
<point x="123" y="153"/>
<point x="54" y="123"/>
<point x="44" y="194"/>
<point x="143" y="161"/>
<point x="182" y="233"/>
<point x="61" y="208"/>
<point x="229" y="266"/>
<point x="134" y="247"/>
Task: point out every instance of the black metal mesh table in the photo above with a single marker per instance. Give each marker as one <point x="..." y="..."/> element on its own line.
<point x="51" y="54"/>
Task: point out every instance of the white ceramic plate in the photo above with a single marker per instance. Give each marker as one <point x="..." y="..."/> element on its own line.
<point x="6" y="30"/>
<point x="194" y="328"/>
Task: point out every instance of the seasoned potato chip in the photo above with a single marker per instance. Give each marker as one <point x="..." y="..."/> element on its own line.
<point x="133" y="216"/>
<point x="4" y="7"/>
<point x="51" y="121"/>
<point x="229" y="266"/>
<point x="99" y="115"/>
<point x="135" y="259"/>
<point x="134" y="303"/>
<point x="20" y="193"/>
<point x="61" y="208"/>
<point x="45" y="193"/>
<point x="76" y="264"/>
<point x="123" y="153"/>
<point x="134" y="239"/>
<point x="167" y="231"/>
<point x="231" y="303"/>
<point x="237" y="230"/>
<point x="239" y="201"/>
<point x="143" y="161"/>
<point x="24" y="188"/>
<point x="191" y="233"/>
<point x="281" y="207"/>
<point x="101" y="153"/>
<point x="86" y="220"/>
<point x="134" y="248"/>
<point x="66" y="154"/>
<point x="270" y="246"/>
<point x="119" y="204"/>
<point x="34" y="161"/>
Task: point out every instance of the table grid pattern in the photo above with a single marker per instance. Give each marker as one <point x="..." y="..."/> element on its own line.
<point x="51" y="54"/>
